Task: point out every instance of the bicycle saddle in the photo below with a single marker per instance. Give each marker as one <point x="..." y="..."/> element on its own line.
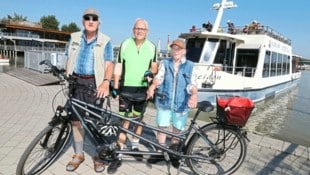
<point x="205" y="106"/>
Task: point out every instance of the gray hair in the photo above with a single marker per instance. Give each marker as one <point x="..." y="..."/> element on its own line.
<point x="143" y="20"/>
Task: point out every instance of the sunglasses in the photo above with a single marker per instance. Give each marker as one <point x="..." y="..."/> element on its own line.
<point x="90" y="17"/>
<point x="142" y="29"/>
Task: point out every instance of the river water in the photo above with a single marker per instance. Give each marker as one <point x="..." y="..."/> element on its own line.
<point x="286" y="116"/>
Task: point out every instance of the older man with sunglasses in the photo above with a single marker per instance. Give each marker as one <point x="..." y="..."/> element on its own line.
<point x="90" y="60"/>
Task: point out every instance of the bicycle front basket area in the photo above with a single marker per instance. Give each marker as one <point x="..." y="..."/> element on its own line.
<point x="237" y="109"/>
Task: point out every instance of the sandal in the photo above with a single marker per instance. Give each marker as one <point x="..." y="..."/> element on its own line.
<point x="73" y="165"/>
<point x="99" y="166"/>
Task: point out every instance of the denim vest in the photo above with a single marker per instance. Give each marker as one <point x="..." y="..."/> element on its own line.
<point x="176" y="102"/>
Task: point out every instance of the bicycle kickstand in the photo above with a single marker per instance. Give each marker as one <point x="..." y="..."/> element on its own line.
<point x="167" y="159"/>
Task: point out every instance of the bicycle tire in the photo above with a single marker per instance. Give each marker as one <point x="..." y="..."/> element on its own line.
<point x="44" y="149"/>
<point x="232" y="150"/>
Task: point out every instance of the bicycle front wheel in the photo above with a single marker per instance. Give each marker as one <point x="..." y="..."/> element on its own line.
<point x="222" y="150"/>
<point x="44" y="149"/>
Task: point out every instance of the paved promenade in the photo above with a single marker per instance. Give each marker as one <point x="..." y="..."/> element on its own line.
<point x="25" y="110"/>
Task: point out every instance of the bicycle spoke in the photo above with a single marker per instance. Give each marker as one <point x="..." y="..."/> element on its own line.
<point x="44" y="149"/>
<point x="38" y="158"/>
<point x="225" y="155"/>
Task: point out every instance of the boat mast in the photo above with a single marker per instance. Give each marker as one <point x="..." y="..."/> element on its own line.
<point x="158" y="47"/>
<point x="220" y="7"/>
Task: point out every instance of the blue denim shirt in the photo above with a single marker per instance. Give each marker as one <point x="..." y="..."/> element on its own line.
<point x="176" y="94"/>
<point x="85" y="59"/>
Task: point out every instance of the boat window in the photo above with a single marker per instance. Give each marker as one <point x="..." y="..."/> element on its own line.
<point x="266" y="68"/>
<point x="276" y="64"/>
<point x="286" y="61"/>
<point x="194" y="48"/>
<point x="225" y="55"/>
<point x="279" y="64"/>
<point x="210" y="49"/>
<point x="246" y="62"/>
<point x="273" y="67"/>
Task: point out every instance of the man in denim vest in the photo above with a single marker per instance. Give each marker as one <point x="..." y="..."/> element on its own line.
<point x="178" y="85"/>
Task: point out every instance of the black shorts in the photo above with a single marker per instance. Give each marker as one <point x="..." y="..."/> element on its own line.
<point x="85" y="92"/>
<point x="132" y="108"/>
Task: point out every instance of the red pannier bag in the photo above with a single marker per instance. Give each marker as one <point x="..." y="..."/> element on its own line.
<point x="234" y="110"/>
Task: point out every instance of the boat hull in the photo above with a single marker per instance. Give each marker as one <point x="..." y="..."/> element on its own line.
<point x="254" y="94"/>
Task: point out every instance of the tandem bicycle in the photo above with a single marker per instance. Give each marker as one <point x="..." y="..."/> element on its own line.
<point x="214" y="148"/>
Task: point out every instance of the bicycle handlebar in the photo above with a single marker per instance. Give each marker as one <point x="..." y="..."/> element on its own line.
<point x="59" y="73"/>
<point x="72" y="81"/>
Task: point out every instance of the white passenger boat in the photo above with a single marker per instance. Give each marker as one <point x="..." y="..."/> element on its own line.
<point x="255" y="63"/>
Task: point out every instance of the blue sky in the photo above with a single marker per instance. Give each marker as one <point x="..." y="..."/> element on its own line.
<point x="171" y="17"/>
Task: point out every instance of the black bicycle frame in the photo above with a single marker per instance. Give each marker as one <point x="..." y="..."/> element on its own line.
<point x="184" y="136"/>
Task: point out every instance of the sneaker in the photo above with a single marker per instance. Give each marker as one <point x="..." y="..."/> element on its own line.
<point x="175" y="162"/>
<point x="155" y="159"/>
<point x="138" y="157"/>
<point x="114" y="165"/>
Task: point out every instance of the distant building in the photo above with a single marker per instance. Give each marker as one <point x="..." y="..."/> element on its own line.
<point x="24" y="35"/>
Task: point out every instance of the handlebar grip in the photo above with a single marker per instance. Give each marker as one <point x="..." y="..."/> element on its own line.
<point x="99" y="101"/>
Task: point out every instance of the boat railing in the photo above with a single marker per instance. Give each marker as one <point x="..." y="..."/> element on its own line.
<point x="244" y="71"/>
<point x="261" y="30"/>
<point x="31" y="48"/>
<point x="20" y="34"/>
<point x="247" y="30"/>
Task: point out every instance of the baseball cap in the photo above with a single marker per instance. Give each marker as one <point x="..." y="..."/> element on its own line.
<point x="178" y="42"/>
<point x="91" y="11"/>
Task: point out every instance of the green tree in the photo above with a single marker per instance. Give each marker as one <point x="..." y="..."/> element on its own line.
<point x="49" y="22"/>
<point x="17" y="17"/>
<point x="72" y="27"/>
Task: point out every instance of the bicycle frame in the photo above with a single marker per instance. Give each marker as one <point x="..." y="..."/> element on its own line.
<point x="184" y="136"/>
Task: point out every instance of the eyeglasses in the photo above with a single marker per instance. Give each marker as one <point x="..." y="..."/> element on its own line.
<point x="142" y="29"/>
<point x="90" y="17"/>
<point x="176" y="49"/>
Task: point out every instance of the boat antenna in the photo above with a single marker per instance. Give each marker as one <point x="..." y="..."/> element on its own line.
<point x="220" y="8"/>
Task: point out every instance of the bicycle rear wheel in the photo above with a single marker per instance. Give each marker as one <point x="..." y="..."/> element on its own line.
<point x="224" y="157"/>
<point x="44" y="149"/>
